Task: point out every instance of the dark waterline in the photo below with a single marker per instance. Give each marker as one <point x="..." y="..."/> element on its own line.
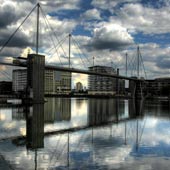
<point x="95" y="134"/>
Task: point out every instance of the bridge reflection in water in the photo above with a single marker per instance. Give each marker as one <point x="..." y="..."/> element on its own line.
<point x="109" y="124"/>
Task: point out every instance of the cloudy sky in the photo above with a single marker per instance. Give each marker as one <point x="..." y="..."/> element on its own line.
<point x="101" y="29"/>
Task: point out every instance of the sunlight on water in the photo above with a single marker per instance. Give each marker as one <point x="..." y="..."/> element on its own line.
<point x="107" y="134"/>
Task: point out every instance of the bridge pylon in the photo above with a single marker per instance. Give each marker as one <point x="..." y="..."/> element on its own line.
<point x="35" y="77"/>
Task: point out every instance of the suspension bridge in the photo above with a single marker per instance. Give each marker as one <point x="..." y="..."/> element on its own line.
<point x="36" y="66"/>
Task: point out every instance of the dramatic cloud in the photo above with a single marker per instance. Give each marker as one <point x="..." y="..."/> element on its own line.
<point x="138" y="18"/>
<point x="7" y="14"/>
<point x="21" y="40"/>
<point x="163" y="62"/>
<point x="156" y="59"/>
<point x="108" y="30"/>
<point x="110" y="36"/>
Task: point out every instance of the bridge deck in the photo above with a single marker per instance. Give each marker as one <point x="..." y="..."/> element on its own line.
<point x="74" y="70"/>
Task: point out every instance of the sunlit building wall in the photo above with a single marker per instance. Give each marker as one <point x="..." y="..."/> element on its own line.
<point x="19" y="80"/>
<point x="49" y="82"/>
<point x="100" y="84"/>
<point x="56" y="82"/>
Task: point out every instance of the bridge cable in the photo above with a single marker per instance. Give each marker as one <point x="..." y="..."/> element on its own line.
<point x="12" y="35"/>
<point x="129" y="61"/>
<point x="132" y="65"/>
<point x="61" y="41"/>
<point x="6" y="75"/>
<point x="80" y="55"/>
<point x="78" y="45"/>
<point x="51" y="36"/>
<point x="143" y="64"/>
<point x="52" y="30"/>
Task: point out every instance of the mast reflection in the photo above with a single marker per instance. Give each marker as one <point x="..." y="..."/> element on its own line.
<point x="35" y="127"/>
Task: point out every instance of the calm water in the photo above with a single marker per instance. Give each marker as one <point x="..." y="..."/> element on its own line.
<point x="96" y="134"/>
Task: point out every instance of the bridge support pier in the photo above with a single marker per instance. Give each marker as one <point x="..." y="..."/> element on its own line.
<point x="35" y="77"/>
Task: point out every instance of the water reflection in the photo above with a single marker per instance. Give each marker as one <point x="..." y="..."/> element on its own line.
<point x="111" y="110"/>
<point x="35" y="126"/>
<point x="57" y="109"/>
<point x="65" y="113"/>
<point x="117" y="133"/>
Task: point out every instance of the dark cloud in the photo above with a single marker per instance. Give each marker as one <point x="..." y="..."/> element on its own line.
<point x="7" y="15"/>
<point x="19" y="40"/>
<point x="163" y="62"/>
<point x="106" y="45"/>
<point x="10" y="51"/>
<point x="10" y="13"/>
<point x="110" y="36"/>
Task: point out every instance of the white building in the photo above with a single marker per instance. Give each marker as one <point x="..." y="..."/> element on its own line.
<point x="19" y="80"/>
<point x="56" y="82"/>
<point x="100" y="84"/>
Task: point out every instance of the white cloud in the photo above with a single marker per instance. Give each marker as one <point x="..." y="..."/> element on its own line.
<point x="110" y="36"/>
<point x="115" y="33"/>
<point x="138" y="18"/>
<point x="91" y="14"/>
<point x="60" y="4"/>
<point x="108" y="4"/>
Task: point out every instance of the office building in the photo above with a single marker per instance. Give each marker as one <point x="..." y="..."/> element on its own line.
<point x="100" y="84"/>
<point x="19" y="80"/>
<point x="62" y="82"/>
<point x="159" y="87"/>
<point x="56" y="82"/>
<point x="5" y="87"/>
<point x="49" y="82"/>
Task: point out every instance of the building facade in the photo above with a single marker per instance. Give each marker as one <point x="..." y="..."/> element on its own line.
<point x="159" y="87"/>
<point x="19" y="80"/>
<point x="56" y="82"/>
<point x="100" y="84"/>
<point x="62" y="82"/>
<point x="49" y="82"/>
<point x="5" y="87"/>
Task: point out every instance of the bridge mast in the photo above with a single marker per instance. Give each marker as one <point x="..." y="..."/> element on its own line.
<point x="138" y="56"/>
<point x="69" y="54"/>
<point x="126" y="63"/>
<point x="37" y="35"/>
<point x="93" y="60"/>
